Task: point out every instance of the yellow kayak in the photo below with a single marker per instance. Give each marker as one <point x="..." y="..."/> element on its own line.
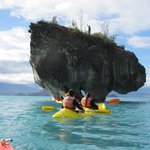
<point x="65" y="113"/>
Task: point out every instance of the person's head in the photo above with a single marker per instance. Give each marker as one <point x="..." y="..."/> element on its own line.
<point x="71" y="92"/>
<point x="88" y="94"/>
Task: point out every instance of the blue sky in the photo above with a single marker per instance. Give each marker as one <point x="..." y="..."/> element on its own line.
<point x="128" y="19"/>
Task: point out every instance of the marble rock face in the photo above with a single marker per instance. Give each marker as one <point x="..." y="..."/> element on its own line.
<point x="63" y="58"/>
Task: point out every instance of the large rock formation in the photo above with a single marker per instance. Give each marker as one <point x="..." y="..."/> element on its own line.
<point x="64" y="58"/>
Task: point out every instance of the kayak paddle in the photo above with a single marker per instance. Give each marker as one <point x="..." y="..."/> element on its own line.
<point x="114" y="101"/>
<point x="111" y="101"/>
<point x="48" y="108"/>
<point x="102" y="106"/>
<point x="51" y="108"/>
<point x="83" y="93"/>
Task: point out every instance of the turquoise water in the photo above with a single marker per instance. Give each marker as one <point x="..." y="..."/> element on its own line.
<point x="128" y="128"/>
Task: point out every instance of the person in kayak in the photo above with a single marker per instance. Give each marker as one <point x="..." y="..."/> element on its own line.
<point x="88" y="102"/>
<point x="70" y="102"/>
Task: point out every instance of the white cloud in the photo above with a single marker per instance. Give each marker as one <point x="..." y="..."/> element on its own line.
<point x="14" y="67"/>
<point x="17" y="38"/>
<point x="126" y="16"/>
<point x="14" y="45"/>
<point x="139" y="42"/>
<point x="147" y="77"/>
<point x="14" y="56"/>
<point x="22" y="78"/>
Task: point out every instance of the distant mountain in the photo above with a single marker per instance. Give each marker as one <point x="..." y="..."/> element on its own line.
<point x="22" y="89"/>
<point x="142" y="92"/>
<point x="35" y="90"/>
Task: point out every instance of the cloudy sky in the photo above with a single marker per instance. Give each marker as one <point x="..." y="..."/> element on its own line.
<point x="129" y="20"/>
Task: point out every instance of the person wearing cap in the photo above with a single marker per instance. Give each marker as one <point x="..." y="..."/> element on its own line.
<point x="88" y="102"/>
<point x="70" y="102"/>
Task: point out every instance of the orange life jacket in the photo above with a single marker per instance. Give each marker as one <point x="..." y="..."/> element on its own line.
<point x="86" y="102"/>
<point x="68" y="102"/>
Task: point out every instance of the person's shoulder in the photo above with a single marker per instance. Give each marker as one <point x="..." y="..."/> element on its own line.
<point x="66" y="98"/>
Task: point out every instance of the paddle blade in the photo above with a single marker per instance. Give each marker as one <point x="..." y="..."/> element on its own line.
<point x="101" y="106"/>
<point x="48" y="108"/>
<point x="83" y="93"/>
<point x="114" y="101"/>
